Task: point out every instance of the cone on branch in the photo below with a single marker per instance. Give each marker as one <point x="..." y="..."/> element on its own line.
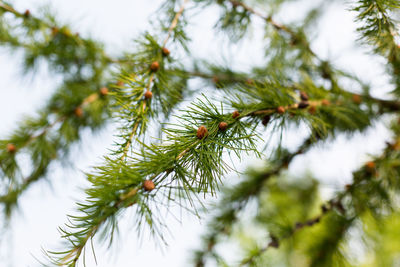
<point x="312" y="109"/>
<point x="78" y="112"/>
<point x="155" y="66"/>
<point x="11" y="148"/>
<point x="370" y="165"/>
<point x="356" y="99"/>
<point x="304" y="96"/>
<point x="223" y="126"/>
<point x="325" y="102"/>
<point x="235" y="114"/>
<point x="303" y="104"/>
<point x="165" y="52"/>
<point x="104" y="91"/>
<point x="149" y="185"/>
<point x="202" y="132"/>
<point x="280" y="110"/>
<point x="148" y="95"/>
<point x="266" y="120"/>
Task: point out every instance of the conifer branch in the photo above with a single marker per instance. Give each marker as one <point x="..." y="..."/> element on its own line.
<point x="55" y="30"/>
<point x="188" y="159"/>
<point x="136" y="125"/>
<point x="171" y="28"/>
<point x="276" y="25"/>
<point x="73" y="255"/>
<point x="236" y="198"/>
<point x="174" y="22"/>
<point x="10" y="198"/>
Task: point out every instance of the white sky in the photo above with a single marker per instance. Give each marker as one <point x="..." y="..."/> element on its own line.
<point x="117" y="22"/>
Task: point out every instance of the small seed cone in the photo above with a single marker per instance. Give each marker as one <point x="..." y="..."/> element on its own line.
<point x="222" y="126"/>
<point x="304" y="96"/>
<point x="303" y="104"/>
<point x="280" y="110"/>
<point x="104" y="91"/>
<point x="370" y="166"/>
<point x="148" y="185"/>
<point x="235" y="114"/>
<point x="155" y="66"/>
<point x="78" y="112"/>
<point x="165" y="52"/>
<point x="148" y="95"/>
<point x="202" y="132"/>
<point x="325" y="102"/>
<point x="11" y="148"/>
<point x="266" y="120"/>
<point x="356" y="99"/>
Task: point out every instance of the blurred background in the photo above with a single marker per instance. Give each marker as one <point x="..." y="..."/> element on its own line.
<point x="117" y="23"/>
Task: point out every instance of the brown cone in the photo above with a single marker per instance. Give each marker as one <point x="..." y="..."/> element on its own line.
<point x="104" y="91"/>
<point x="280" y="110"/>
<point x="155" y="66"/>
<point x="222" y="126"/>
<point x="148" y="95"/>
<point x="202" y="132"/>
<point x="78" y="112"/>
<point x="165" y="52"/>
<point x="148" y="185"/>
<point x="11" y="148"/>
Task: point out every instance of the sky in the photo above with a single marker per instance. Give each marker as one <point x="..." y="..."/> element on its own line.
<point x="116" y="23"/>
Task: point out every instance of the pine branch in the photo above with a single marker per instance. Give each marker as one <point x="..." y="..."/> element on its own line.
<point x="27" y="16"/>
<point x="361" y="179"/>
<point x="16" y="188"/>
<point x="72" y="256"/>
<point x="235" y="201"/>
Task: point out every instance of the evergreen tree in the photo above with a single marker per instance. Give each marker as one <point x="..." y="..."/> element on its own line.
<point x="278" y="220"/>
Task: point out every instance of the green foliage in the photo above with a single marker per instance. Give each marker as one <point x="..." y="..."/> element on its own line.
<point x="185" y="166"/>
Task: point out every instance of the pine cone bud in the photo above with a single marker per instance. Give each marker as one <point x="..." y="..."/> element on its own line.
<point x="235" y="114"/>
<point x="11" y="148"/>
<point x="54" y="31"/>
<point x="303" y="96"/>
<point x="202" y="132"/>
<point x="155" y="66"/>
<point x="104" y="91"/>
<point x="266" y="120"/>
<point x="120" y="83"/>
<point x="222" y="126"/>
<point x="148" y="185"/>
<point x="356" y="99"/>
<point x="303" y="104"/>
<point x="165" y="52"/>
<point x="27" y="13"/>
<point x="78" y="112"/>
<point x="312" y="109"/>
<point x="280" y="110"/>
<point x="325" y="102"/>
<point x="370" y="166"/>
<point x="148" y="95"/>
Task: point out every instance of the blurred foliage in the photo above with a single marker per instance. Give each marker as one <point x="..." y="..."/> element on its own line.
<point x="274" y="219"/>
